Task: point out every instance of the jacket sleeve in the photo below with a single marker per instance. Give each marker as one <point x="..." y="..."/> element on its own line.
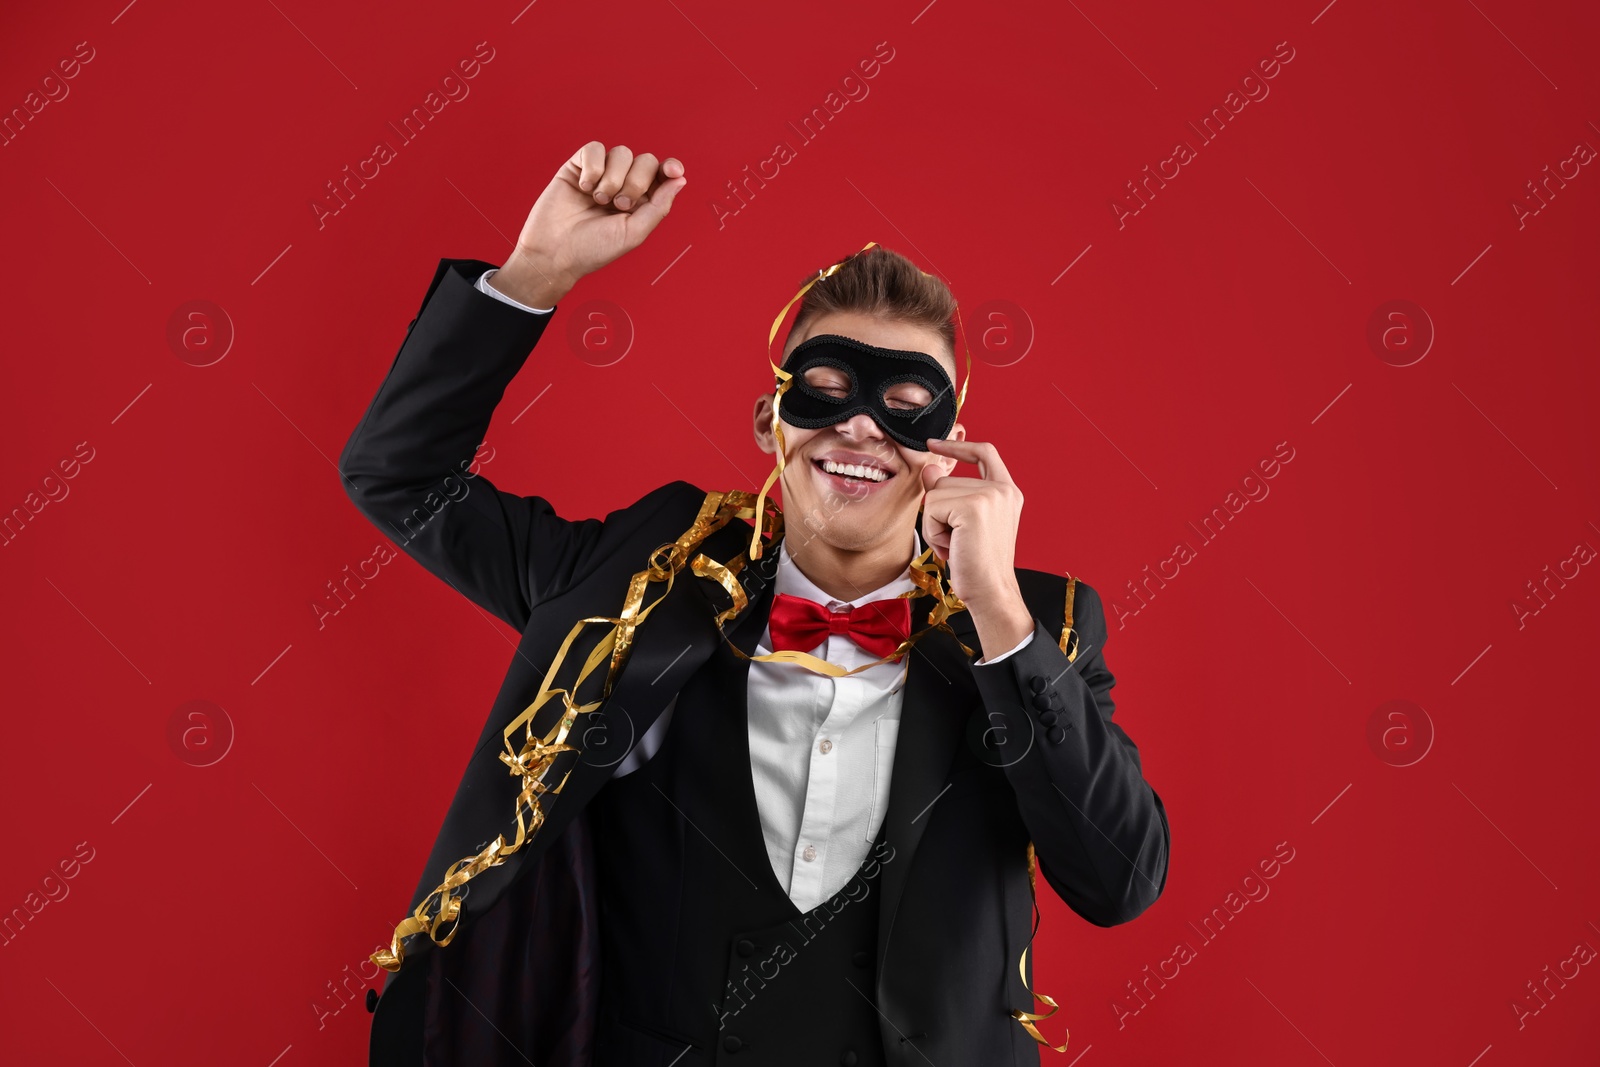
<point x="409" y="464"/>
<point x="1099" y="830"/>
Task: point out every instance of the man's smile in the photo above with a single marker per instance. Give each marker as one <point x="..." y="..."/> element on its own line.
<point x="853" y="473"/>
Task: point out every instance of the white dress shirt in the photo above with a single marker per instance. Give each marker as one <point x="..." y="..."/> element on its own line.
<point x="821" y="748"/>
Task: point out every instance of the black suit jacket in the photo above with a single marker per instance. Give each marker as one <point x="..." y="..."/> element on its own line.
<point x="976" y="776"/>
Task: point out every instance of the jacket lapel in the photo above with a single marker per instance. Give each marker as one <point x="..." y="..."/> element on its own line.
<point x="938" y="699"/>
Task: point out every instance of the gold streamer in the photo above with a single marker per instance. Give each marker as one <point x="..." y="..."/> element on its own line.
<point x="925" y="572"/>
<point x="1028" y="1018"/>
<point x="532" y="762"/>
<point x="784" y="380"/>
<point x="1066" y="623"/>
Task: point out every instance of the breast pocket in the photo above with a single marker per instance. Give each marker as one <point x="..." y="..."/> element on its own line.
<point x="885" y="733"/>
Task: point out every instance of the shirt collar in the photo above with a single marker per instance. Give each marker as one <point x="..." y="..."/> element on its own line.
<point x="791" y="580"/>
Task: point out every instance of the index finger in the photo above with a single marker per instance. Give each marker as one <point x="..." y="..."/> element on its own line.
<point x="982" y="453"/>
<point x="591" y="163"/>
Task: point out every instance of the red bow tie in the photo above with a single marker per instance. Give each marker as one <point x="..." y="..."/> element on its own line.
<point x="877" y="626"/>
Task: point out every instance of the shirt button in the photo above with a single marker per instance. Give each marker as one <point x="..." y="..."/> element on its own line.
<point x="826" y="746"/>
<point x="809" y="854"/>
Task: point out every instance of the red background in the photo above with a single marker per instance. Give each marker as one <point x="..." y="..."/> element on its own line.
<point x="223" y="903"/>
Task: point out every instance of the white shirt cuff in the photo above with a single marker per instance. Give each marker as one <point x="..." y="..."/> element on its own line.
<point x="1020" y="646"/>
<point x="483" y="286"/>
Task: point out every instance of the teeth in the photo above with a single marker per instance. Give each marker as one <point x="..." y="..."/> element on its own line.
<point x="851" y="470"/>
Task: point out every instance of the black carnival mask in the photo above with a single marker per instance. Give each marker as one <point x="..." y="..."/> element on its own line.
<point x="871" y="371"/>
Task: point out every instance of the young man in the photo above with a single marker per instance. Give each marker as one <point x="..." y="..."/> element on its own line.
<point x="777" y="793"/>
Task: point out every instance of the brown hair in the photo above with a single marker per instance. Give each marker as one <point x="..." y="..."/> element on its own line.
<point x="884" y="283"/>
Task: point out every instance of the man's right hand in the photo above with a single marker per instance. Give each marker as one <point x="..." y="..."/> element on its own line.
<point x="599" y="205"/>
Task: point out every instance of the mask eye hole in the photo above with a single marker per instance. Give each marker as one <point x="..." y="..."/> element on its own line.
<point x="911" y="395"/>
<point x="835" y="383"/>
<point x="907" y="396"/>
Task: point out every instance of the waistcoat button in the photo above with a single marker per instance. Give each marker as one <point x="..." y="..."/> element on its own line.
<point x="862" y="959"/>
<point x="745" y="946"/>
<point x="732" y="1044"/>
<point x="848" y="1058"/>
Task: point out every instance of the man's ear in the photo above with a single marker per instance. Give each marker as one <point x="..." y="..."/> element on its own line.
<point x="762" y="425"/>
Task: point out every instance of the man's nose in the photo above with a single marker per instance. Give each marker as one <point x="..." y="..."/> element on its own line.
<point x="861" y="427"/>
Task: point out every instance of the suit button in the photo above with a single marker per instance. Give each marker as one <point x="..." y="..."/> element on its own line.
<point x="732" y="1044"/>
<point x="1055" y="735"/>
<point x="745" y="946"/>
<point x="862" y="959"/>
<point x="1042" y="701"/>
<point x="1048" y="717"/>
<point x="372" y="1000"/>
<point x="848" y="1058"/>
<point x="1038" y="683"/>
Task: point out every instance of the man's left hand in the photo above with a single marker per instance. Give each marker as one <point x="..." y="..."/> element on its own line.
<point x="971" y="524"/>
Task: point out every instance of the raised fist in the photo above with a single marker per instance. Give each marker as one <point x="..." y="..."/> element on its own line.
<point x="600" y="204"/>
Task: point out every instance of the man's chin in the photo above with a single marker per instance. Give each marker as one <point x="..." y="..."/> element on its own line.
<point x="851" y="525"/>
<point x="848" y="517"/>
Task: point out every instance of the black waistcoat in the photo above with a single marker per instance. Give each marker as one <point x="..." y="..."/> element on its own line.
<point x="705" y="958"/>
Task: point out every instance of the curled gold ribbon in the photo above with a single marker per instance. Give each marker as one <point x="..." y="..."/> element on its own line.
<point x="1028" y="1018"/>
<point x="441" y="908"/>
<point x="1066" y="623"/>
<point x="784" y="380"/>
<point x="925" y="573"/>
